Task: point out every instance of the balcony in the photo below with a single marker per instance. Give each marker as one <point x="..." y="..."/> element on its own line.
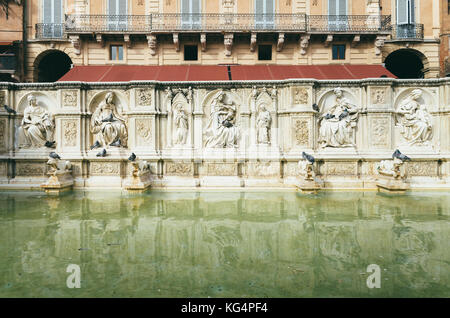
<point x="407" y="32"/>
<point x="172" y="22"/>
<point x="359" y="24"/>
<point x="50" y="31"/>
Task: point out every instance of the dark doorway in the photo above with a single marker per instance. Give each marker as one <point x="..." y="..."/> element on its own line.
<point x="405" y="63"/>
<point x="52" y="66"/>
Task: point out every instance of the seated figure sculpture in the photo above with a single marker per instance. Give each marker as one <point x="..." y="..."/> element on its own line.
<point x="37" y="128"/>
<point x="107" y="125"/>
<point x="337" y="123"/>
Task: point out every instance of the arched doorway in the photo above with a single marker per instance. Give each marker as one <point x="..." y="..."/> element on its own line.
<point x="406" y="63"/>
<point x="51" y="65"/>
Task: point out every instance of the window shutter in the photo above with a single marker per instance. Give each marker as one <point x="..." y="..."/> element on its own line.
<point x="259" y="10"/>
<point x="412" y="18"/>
<point x="122" y="7"/>
<point x="332" y="7"/>
<point x="57" y="11"/>
<point x="270" y="7"/>
<point x="112" y="7"/>
<point x="47" y="11"/>
<point x="342" y="7"/>
<point x="402" y="11"/>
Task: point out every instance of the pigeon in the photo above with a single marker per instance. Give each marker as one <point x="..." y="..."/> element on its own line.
<point x="315" y="107"/>
<point x="95" y="145"/>
<point x="50" y="144"/>
<point x="54" y="155"/>
<point x="9" y="110"/>
<point x="110" y="118"/>
<point x="343" y="115"/>
<point x="227" y="124"/>
<point x="102" y="153"/>
<point x="308" y="157"/>
<point x="329" y="116"/>
<point x="132" y="157"/>
<point x="115" y="143"/>
<point x="399" y="155"/>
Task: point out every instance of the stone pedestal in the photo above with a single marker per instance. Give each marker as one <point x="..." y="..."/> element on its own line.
<point x="139" y="181"/>
<point x="308" y="186"/>
<point x="388" y="184"/>
<point x="59" y="181"/>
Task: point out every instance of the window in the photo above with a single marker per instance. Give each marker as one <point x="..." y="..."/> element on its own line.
<point x="264" y="52"/>
<point x="52" y="15"/>
<point x="337" y="15"/>
<point x="448" y="6"/>
<point x="116" y="53"/>
<point x="117" y="15"/>
<point x="190" y="53"/>
<point x="190" y="14"/>
<point x="338" y="51"/>
<point x="265" y="10"/>
<point x="405" y="11"/>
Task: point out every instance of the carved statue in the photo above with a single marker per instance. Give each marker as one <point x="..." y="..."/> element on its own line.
<point x="107" y="125"/>
<point x="414" y="120"/>
<point x="392" y="168"/>
<point x="337" y="124"/>
<point x="181" y="124"/>
<point x="263" y="123"/>
<point x="37" y="128"/>
<point x="55" y="164"/>
<point x="221" y="131"/>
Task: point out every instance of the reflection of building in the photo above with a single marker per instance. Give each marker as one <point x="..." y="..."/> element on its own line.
<point x="311" y="251"/>
<point x="248" y="32"/>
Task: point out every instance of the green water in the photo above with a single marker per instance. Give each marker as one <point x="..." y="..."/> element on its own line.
<point x="218" y="244"/>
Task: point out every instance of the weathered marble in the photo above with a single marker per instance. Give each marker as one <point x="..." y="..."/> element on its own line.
<point x="229" y="134"/>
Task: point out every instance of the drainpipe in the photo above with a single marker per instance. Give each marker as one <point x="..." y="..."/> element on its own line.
<point x="24" y="39"/>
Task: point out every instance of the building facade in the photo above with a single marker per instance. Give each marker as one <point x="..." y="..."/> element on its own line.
<point x="445" y="39"/>
<point x="246" y="32"/>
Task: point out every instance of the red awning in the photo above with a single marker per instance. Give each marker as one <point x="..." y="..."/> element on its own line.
<point x="170" y="73"/>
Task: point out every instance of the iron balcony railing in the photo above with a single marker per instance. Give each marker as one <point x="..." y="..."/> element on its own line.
<point x="349" y="23"/>
<point x="50" y="31"/>
<point x="411" y="31"/>
<point x="210" y="22"/>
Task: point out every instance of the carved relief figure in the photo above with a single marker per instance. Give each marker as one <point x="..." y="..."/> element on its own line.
<point x="337" y="124"/>
<point x="301" y="96"/>
<point x="107" y="125"/>
<point x="221" y="131"/>
<point x="414" y="120"/>
<point x="181" y="125"/>
<point x="263" y="123"/>
<point x="37" y="126"/>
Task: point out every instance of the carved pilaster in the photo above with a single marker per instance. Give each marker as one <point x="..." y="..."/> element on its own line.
<point x="176" y="42"/>
<point x="356" y="40"/>
<point x="99" y="39"/>
<point x="280" y="42"/>
<point x="151" y="39"/>
<point x="328" y="40"/>
<point x="304" y="43"/>
<point x="203" y="41"/>
<point x="75" y="40"/>
<point x="126" y="39"/>
<point x="379" y="43"/>
<point x="228" y="42"/>
<point x="253" y="42"/>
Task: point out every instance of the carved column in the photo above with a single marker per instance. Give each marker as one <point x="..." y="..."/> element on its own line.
<point x="253" y="128"/>
<point x="274" y="95"/>
<point x="169" y="96"/>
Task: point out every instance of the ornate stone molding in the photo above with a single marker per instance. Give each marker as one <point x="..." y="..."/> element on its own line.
<point x="76" y="43"/>
<point x="304" y="43"/>
<point x="176" y="42"/>
<point x="253" y="40"/>
<point x="280" y="42"/>
<point x="203" y="41"/>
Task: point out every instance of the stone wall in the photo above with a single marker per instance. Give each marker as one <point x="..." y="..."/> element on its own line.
<point x="227" y="134"/>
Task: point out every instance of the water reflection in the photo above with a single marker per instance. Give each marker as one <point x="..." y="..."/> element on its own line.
<point x="238" y="244"/>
